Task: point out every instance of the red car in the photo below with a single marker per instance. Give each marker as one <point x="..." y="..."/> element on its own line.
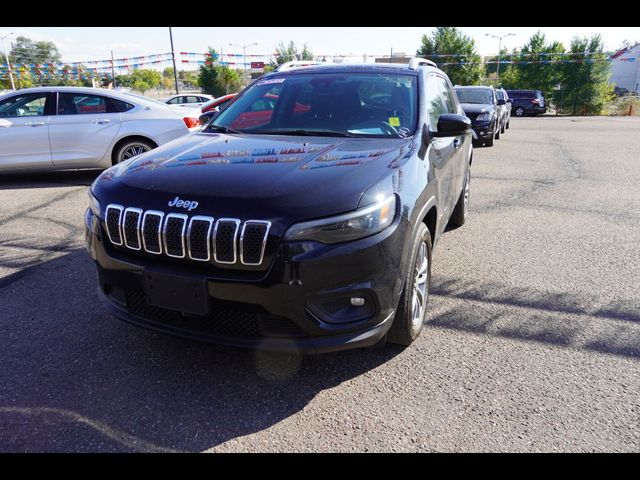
<point x="217" y="102"/>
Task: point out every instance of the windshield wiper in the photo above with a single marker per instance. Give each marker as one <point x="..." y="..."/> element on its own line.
<point x="222" y="129"/>
<point x="303" y="132"/>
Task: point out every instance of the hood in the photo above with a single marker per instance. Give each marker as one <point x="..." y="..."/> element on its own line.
<point x="476" y="107"/>
<point x="279" y="178"/>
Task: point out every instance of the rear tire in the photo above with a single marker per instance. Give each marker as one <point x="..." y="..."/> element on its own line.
<point x="502" y="128"/>
<point x="497" y="135"/>
<point x="412" y="308"/>
<point x="461" y="210"/>
<point x="131" y="148"/>
<point x="507" y="126"/>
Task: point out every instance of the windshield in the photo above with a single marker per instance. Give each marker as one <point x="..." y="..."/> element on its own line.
<point x="475" y="95"/>
<point x="352" y="104"/>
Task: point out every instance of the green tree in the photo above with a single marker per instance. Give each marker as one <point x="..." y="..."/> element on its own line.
<point x="218" y="80"/>
<point x="26" y="50"/>
<point x="289" y="52"/>
<point x="537" y="65"/>
<point x="145" y="79"/>
<point x="460" y="61"/>
<point x="584" y="82"/>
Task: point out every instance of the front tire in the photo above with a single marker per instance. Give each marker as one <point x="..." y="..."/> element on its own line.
<point x="507" y="126"/>
<point x="412" y="308"/>
<point x="461" y="210"/>
<point x="489" y="142"/>
<point x="520" y="112"/>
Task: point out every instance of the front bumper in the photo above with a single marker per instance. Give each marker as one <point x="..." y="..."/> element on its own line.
<point x="301" y="303"/>
<point x="485" y="129"/>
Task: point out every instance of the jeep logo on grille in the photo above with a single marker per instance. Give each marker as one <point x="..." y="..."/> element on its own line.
<point x="188" y="204"/>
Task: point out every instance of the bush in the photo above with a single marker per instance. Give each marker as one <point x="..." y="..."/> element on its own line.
<point x="628" y="104"/>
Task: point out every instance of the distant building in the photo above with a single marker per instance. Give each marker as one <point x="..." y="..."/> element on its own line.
<point x="625" y="68"/>
<point x="400" y="57"/>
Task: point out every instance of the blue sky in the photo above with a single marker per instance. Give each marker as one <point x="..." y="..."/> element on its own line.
<point x="95" y="43"/>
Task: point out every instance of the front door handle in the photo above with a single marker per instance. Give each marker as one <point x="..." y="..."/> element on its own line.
<point x="100" y="122"/>
<point x="457" y="142"/>
<point x="34" y="124"/>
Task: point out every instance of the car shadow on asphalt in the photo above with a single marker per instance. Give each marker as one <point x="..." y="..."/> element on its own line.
<point x="70" y="178"/>
<point x="76" y="379"/>
<point x="562" y="319"/>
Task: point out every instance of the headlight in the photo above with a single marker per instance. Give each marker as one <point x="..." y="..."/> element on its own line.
<point x="484" y="117"/>
<point x="361" y="223"/>
<point x="94" y="204"/>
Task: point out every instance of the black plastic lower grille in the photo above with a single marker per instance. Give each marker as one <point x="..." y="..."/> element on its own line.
<point x="221" y="321"/>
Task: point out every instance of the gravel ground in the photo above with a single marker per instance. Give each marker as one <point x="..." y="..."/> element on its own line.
<point x="532" y="343"/>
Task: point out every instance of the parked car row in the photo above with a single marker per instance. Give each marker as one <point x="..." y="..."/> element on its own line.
<point x="488" y="111"/>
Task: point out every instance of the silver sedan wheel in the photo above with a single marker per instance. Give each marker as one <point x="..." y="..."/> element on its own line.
<point x="420" y="290"/>
<point x="132" y="151"/>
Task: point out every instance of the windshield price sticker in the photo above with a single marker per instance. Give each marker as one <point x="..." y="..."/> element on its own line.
<point x="271" y="81"/>
<point x="394" y="121"/>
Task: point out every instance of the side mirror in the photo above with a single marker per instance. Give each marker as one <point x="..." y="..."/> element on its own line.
<point x="207" y="116"/>
<point x="501" y="102"/>
<point x="451" y="125"/>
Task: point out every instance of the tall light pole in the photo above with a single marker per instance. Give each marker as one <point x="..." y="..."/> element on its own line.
<point x="173" y="57"/>
<point x="6" y="57"/>
<point x="244" y="55"/>
<point x="499" y="47"/>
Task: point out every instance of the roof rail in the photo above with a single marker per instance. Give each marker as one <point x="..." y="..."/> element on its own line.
<point x="416" y="62"/>
<point x="297" y="64"/>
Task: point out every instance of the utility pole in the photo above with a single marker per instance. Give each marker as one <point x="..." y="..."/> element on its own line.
<point x="113" y="71"/>
<point x="244" y="56"/>
<point x="6" y="57"/>
<point x="173" y="57"/>
<point x="499" y="48"/>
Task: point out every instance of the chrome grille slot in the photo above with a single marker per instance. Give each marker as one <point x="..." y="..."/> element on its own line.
<point x="173" y="232"/>
<point x="131" y="228"/>
<point x="198" y="236"/>
<point x="152" y="231"/>
<point x="112" y="221"/>
<point x="224" y="239"/>
<point x="253" y="240"/>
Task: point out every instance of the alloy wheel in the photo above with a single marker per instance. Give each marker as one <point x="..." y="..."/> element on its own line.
<point x="133" y="151"/>
<point x="420" y="287"/>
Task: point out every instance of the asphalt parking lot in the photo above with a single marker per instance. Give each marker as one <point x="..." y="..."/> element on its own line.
<point x="532" y="344"/>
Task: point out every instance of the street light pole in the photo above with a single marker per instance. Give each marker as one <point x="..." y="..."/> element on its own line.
<point x="173" y="57"/>
<point x="6" y="57"/>
<point x="499" y="49"/>
<point x="244" y="55"/>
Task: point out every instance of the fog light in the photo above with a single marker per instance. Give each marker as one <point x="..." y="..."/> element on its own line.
<point x="357" y="301"/>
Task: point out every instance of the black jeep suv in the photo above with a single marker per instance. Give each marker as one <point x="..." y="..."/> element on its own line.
<point x="482" y="106"/>
<point x="302" y="217"/>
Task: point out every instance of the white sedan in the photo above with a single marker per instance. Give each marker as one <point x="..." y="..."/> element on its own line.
<point x="188" y="100"/>
<point x="55" y="128"/>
